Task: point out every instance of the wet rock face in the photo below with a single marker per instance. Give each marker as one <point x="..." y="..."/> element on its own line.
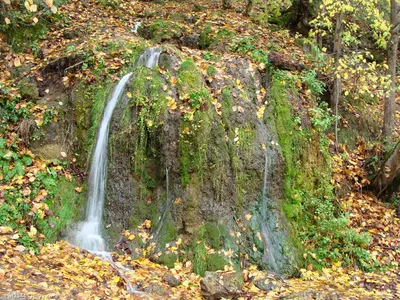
<point x="225" y="170"/>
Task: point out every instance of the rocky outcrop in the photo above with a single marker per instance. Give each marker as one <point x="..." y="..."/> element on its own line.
<point x="206" y="170"/>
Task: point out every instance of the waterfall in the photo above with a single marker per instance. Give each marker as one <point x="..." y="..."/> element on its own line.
<point x="137" y="25"/>
<point x="150" y="57"/>
<point x="266" y="233"/>
<point x="89" y="235"/>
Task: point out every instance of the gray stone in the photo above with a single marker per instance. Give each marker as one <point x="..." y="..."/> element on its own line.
<point x="312" y="295"/>
<point x="14" y="296"/>
<point x="265" y="284"/>
<point x="171" y="280"/>
<point x="191" y="40"/>
<point x="30" y="91"/>
<point x="217" y="285"/>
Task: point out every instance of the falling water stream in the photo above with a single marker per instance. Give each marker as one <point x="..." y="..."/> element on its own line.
<point x="89" y="234"/>
<point x="137" y="25"/>
<point x="265" y="230"/>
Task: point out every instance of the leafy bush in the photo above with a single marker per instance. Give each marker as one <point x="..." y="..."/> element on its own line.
<point x="309" y="77"/>
<point x="244" y="44"/>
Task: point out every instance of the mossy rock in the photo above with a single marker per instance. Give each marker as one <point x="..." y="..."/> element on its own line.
<point x="24" y="37"/>
<point x="204" y="261"/>
<point x="67" y="206"/>
<point x="29" y="90"/>
<point x="161" y="31"/>
<point x="168" y="259"/>
<point x="206" y="38"/>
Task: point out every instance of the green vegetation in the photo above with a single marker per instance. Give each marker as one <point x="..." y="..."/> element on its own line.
<point x="67" y="206"/>
<point x="205" y="38"/>
<point x="210" y="239"/>
<point x="161" y="30"/>
<point x="149" y="100"/>
<point x="60" y="200"/>
<point x="196" y="125"/>
<point x="309" y="197"/>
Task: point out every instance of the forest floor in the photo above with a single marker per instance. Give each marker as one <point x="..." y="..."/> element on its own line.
<point x="65" y="271"/>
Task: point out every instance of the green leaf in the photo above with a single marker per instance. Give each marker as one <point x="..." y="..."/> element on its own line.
<point x="27" y="160"/>
<point x="19" y="167"/>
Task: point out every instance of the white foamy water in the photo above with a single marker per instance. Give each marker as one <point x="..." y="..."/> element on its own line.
<point x="150" y="57"/>
<point x="137" y="25"/>
<point x="89" y="234"/>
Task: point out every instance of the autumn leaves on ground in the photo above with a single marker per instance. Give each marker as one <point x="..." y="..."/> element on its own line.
<point x="61" y="270"/>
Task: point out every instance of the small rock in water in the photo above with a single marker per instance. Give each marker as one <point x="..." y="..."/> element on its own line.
<point x="217" y="285"/>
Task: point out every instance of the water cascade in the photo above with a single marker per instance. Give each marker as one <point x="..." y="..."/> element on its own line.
<point x="266" y="233"/>
<point x="89" y="235"/>
<point x="137" y="25"/>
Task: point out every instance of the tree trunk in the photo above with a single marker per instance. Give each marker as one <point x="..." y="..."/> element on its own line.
<point x="388" y="172"/>
<point x="298" y="17"/>
<point x="226" y="4"/>
<point x="389" y="105"/>
<point x="249" y="6"/>
<point x="337" y="83"/>
<point x="319" y="36"/>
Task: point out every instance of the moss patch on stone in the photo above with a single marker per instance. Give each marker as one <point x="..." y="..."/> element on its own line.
<point x="67" y="205"/>
<point x="197" y="122"/>
<point x="210" y="236"/>
<point x="24" y="37"/>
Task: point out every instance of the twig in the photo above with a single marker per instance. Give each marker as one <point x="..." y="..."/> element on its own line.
<point x="73" y="66"/>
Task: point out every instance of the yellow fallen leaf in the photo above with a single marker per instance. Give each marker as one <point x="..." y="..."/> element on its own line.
<point x="20" y="248"/>
<point x="17" y="62"/>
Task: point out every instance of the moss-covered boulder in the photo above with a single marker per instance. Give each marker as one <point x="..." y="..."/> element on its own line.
<point x="161" y="31"/>
<point x="199" y="162"/>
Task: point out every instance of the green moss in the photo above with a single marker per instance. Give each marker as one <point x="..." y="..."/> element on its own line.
<point x="203" y="261"/>
<point x="309" y="199"/>
<point x="205" y="38"/>
<point x="24" y="37"/>
<point x="89" y="103"/>
<point x="210" y="236"/>
<point x="168" y="259"/>
<point x="219" y="162"/>
<point x="189" y="78"/>
<point x="67" y="206"/>
<point x="162" y="30"/>
<point x="211" y="70"/>
<point x="150" y="103"/>
<point x="168" y="231"/>
<point x="89" y="100"/>
<point x="196" y="126"/>
<point x="292" y="142"/>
